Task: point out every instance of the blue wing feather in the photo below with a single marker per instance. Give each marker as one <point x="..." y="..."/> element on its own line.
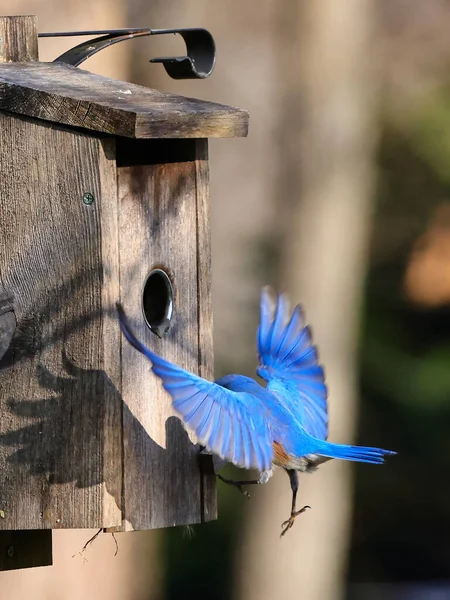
<point x="229" y="423"/>
<point x="288" y="361"/>
<point x="224" y="435"/>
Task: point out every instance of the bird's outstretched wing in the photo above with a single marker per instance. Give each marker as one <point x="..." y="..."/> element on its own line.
<point x="230" y="424"/>
<point x="288" y="361"/>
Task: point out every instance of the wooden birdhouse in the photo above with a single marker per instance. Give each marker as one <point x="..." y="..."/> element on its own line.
<point x="104" y="197"/>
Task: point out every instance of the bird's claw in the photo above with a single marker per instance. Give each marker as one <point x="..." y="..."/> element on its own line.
<point x="236" y="484"/>
<point x="290" y="522"/>
<point x="243" y="492"/>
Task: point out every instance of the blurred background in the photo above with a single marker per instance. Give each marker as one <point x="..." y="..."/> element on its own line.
<point x="340" y="196"/>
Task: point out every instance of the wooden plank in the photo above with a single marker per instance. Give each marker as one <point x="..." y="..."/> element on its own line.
<point x="205" y="314"/>
<point x="158" y="227"/>
<point x="25" y="549"/>
<point x="71" y="96"/>
<point x="18" y="39"/>
<point x="60" y="404"/>
<point x="107" y="209"/>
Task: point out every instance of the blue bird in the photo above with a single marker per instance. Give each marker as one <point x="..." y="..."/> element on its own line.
<point x="284" y="424"/>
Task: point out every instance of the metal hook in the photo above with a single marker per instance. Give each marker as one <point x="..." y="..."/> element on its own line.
<point x="200" y="48"/>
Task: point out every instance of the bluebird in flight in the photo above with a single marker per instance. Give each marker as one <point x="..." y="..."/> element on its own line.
<point x="284" y="424"/>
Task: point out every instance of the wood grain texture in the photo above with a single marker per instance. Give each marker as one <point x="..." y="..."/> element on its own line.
<point x="205" y="314"/>
<point x="18" y="39"/>
<point x="60" y="405"/>
<point x="71" y="96"/>
<point x="25" y="549"/>
<point x="159" y="226"/>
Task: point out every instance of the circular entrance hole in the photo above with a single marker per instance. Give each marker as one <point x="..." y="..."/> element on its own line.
<point x="157" y="302"/>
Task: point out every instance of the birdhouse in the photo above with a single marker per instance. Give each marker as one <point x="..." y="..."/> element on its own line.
<point x="104" y="197"/>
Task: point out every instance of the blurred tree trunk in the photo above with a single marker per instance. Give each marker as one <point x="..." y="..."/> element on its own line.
<point x="326" y="153"/>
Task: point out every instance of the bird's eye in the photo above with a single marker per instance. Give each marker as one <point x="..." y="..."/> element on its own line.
<point x="157" y="301"/>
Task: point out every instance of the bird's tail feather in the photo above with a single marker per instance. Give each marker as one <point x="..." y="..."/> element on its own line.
<point x="365" y="454"/>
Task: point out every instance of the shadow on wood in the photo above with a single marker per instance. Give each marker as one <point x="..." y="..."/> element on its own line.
<point x="59" y="444"/>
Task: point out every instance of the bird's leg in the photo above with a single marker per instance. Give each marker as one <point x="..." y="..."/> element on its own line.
<point x="239" y="484"/>
<point x="293" y="478"/>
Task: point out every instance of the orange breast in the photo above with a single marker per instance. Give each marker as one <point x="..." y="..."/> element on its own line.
<point x="281" y="457"/>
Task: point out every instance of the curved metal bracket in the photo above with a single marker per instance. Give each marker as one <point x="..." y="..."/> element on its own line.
<point x="197" y="64"/>
<point x="7" y="324"/>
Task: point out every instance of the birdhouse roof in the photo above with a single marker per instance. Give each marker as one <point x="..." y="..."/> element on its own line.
<point x="71" y="96"/>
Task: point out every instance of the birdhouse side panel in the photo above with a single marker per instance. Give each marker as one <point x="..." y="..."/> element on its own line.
<point x="163" y="213"/>
<point x="60" y="403"/>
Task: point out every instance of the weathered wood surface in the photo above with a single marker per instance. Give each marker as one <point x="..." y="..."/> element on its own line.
<point x="162" y="211"/>
<point x="18" y="39"/>
<point x="25" y="549"/>
<point x="60" y="405"/>
<point x="71" y="96"/>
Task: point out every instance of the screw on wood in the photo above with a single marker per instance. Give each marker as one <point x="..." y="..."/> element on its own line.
<point x="88" y="198"/>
